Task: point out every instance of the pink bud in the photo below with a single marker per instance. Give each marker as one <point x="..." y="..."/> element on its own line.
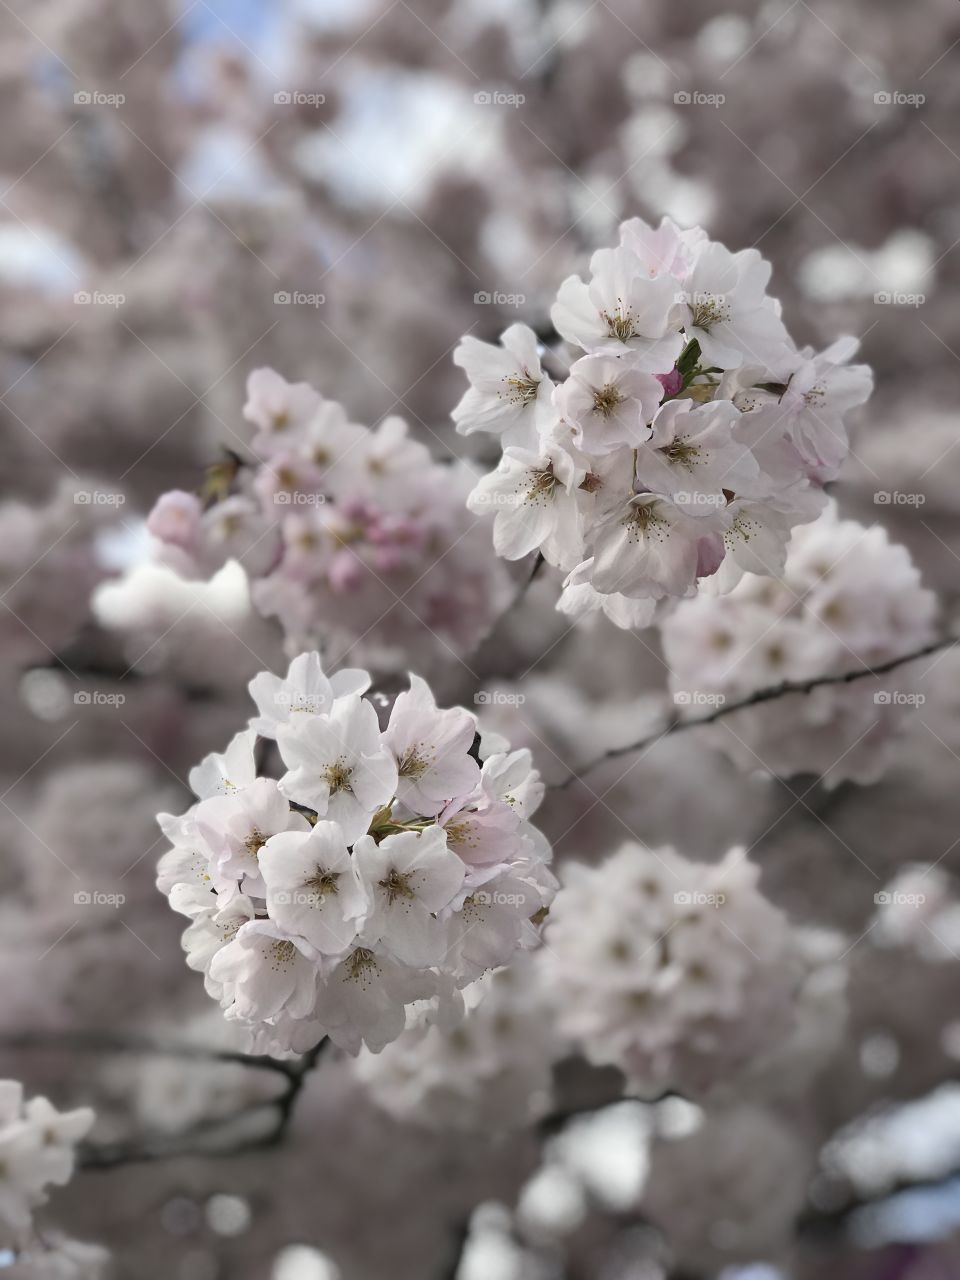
<point x="175" y="518"/>
<point x="671" y="382"/>
<point x="710" y="553"/>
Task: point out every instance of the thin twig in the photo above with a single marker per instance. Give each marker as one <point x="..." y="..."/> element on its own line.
<point x="768" y="694"/>
<point x="192" y="1143"/>
<point x="139" y="1046"/>
<point x="200" y="1139"/>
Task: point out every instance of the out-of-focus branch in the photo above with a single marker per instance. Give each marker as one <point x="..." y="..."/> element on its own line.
<point x="769" y="694"/>
<point x="209" y="1138"/>
<point x="516" y="599"/>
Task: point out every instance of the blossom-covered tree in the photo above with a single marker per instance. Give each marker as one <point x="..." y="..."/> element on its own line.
<point x="468" y="387"/>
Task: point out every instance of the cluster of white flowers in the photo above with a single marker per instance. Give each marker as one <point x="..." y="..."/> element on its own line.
<point x="687" y="440"/>
<point x="384" y="868"/>
<point x="37" y="1151"/>
<point x="492" y="1071"/>
<point x="344" y="532"/>
<point x="681" y="974"/>
<point x="919" y="908"/>
<point x="848" y="600"/>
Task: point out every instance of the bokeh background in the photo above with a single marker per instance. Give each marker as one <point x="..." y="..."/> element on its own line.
<point x="340" y="189"/>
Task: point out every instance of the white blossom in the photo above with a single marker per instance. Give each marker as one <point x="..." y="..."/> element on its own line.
<point x="304" y="691"/>
<point x="387" y="867"/>
<point x="431" y="749"/>
<point x="338" y="764"/>
<point x="609" y="402"/>
<point x="508" y="388"/>
<point x="686" y="444"/>
<point x="532" y="495"/>
<point x="681" y="974"/>
<point x="846" y="599"/>
<point x="312" y="887"/>
<point x="37" y="1146"/>
<point x="622" y="311"/>
<point x="727" y="311"/>
<point x="410" y="878"/>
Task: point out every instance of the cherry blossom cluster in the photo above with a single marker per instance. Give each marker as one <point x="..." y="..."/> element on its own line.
<point x="37" y="1151"/>
<point x="848" y="600"/>
<point x="684" y="444"/>
<point x="490" y="1071"/>
<point x="385" y="867"/>
<point x="345" y="532"/>
<point x="919" y="908"/>
<point x="681" y="974"/>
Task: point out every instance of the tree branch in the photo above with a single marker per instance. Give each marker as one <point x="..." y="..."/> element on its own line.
<point x="201" y="1139"/>
<point x="769" y="694"/>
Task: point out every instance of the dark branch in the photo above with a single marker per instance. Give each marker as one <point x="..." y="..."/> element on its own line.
<point x="770" y="694"/>
<point x="208" y="1138"/>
